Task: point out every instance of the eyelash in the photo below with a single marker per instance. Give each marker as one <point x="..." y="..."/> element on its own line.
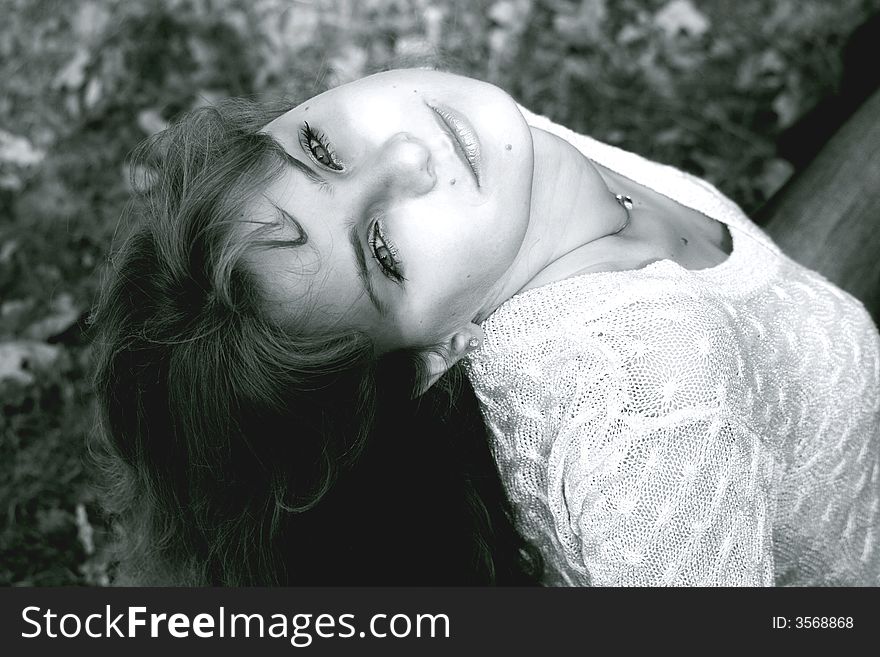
<point x="392" y="271"/>
<point x="307" y="136"/>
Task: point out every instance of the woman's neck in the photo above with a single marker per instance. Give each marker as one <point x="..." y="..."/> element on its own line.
<point x="571" y="206"/>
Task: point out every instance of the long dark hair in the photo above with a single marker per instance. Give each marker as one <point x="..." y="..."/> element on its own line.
<point x="237" y="451"/>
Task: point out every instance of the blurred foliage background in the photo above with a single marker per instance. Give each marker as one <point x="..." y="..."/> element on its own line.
<point x="704" y="85"/>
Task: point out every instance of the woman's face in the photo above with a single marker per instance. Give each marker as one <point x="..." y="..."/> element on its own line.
<point x="403" y="239"/>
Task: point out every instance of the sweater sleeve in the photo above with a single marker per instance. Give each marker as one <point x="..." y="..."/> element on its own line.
<point x="652" y="480"/>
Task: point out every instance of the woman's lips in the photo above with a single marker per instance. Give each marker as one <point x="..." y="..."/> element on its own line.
<point x="463" y="136"/>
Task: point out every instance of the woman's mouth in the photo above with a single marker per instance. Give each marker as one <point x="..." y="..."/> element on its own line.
<point x="463" y="135"/>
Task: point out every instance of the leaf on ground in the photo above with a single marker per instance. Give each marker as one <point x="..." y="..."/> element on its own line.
<point x="90" y="20"/>
<point x="658" y="76"/>
<point x="631" y="33"/>
<point x="349" y="64"/>
<point x="502" y="12"/>
<point x="586" y="26"/>
<point x="511" y="14"/>
<point x="673" y="135"/>
<point x="7" y="250"/>
<point x="774" y="174"/>
<point x="433" y="18"/>
<point x="787" y="107"/>
<point x="578" y="68"/>
<point x="73" y="75"/>
<point x="681" y="17"/>
<point x="15" y="308"/>
<point x="63" y="314"/>
<point x="11" y="182"/>
<point x="691" y="60"/>
<point x="291" y="29"/>
<point x="760" y="71"/>
<point x="18" y="151"/>
<point x="94" y="92"/>
<point x="85" y="531"/>
<point x="150" y="121"/>
<point x="20" y="359"/>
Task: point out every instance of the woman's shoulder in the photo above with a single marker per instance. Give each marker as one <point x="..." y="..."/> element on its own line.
<point x="551" y="348"/>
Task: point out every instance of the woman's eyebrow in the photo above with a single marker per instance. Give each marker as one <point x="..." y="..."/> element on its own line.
<point x="304" y="169"/>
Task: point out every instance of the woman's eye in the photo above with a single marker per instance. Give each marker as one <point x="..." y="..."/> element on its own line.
<point x="319" y="147"/>
<point x="385" y="255"/>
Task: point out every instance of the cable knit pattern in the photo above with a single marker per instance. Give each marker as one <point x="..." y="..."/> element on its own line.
<point x="666" y="426"/>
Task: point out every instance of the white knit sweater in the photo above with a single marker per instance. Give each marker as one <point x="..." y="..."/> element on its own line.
<point x="665" y="426"/>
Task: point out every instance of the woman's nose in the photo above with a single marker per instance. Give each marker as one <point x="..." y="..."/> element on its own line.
<point x="406" y="165"/>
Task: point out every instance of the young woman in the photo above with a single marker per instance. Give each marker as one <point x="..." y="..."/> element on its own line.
<point x="669" y="398"/>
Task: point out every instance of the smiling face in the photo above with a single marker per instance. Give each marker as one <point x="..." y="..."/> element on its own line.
<point x="403" y="239"/>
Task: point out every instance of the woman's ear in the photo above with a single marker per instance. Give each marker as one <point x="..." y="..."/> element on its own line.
<point x="440" y="358"/>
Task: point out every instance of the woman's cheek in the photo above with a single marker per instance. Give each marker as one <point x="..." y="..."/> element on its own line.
<point x="447" y="296"/>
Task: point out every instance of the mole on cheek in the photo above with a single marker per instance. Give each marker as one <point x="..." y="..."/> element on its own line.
<point x="508" y="147"/>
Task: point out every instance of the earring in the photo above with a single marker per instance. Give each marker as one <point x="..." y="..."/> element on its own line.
<point x="473" y="343"/>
